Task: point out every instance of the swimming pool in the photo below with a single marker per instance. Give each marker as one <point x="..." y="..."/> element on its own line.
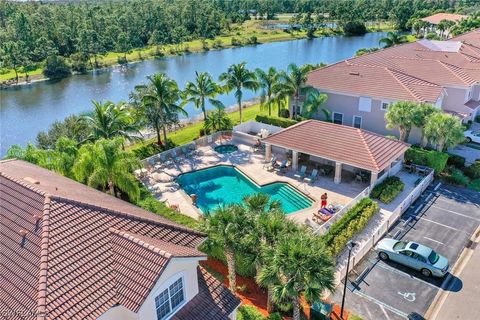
<point x="225" y="185"/>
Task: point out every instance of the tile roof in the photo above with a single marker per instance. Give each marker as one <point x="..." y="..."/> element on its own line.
<point x="345" y="144"/>
<point x="373" y="81"/>
<point x="213" y="302"/>
<point x="404" y="72"/>
<point x="436" y="18"/>
<point x="77" y="259"/>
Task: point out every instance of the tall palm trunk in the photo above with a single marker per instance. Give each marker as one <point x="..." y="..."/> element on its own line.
<point x="157" y="130"/>
<point x="203" y="109"/>
<point x="232" y="278"/>
<point x="239" y="101"/>
<point x="111" y="187"/>
<point x="296" y="308"/>
<point x="164" y="129"/>
<point x="269" y="299"/>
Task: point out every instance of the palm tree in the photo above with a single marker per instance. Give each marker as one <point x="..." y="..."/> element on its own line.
<point x="313" y="102"/>
<point x="226" y="227"/>
<point x="203" y="88"/>
<point x="238" y="78"/>
<point x="401" y="115"/>
<point x="160" y="103"/>
<point x="392" y="39"/>
<point x="269" y="225"/>
<point x="293" y="83"/>
<point x="106" y="166"/>
<point x="297" y="265"/>
<point x="421" y="115"/>
<point x="217" y="120"/>
<point x="270" y="83"/>
<point x="444" y="130"/>
<point x="109" y="120"/>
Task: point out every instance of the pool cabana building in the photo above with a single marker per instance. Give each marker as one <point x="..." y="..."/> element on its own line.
<point x="343" y="148"/>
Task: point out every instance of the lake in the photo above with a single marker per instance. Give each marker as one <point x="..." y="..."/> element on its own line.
<point x="27" y="110"/>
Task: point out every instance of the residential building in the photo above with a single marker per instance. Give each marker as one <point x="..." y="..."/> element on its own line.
<point x="68" y="251"/>
<point x="443" y="73"/>
<point x="436" y="18"/>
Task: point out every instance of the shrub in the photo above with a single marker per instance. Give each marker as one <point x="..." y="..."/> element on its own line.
<point x="473" y="171"/>
<point x="477" y="119"/>
<point x="56" y="68"/>
<point x="388" y="190"/>
<point x="474" y="185"/>
<point x="284" y="113"/>
<point x="235" y="42"/>
<point x="456" y="161"/>
<point x="275" y="316"/>
<point x="456" y="176"/>
<point x="275" y="121"/>
<point x="150" y="149"/>
<point x="353" y="28"/>
<point x="430" y="158"/>
<point x="79" y="62"/>
<point x="253" y="40"/>
<point x="248" y="312"/>
<point x="349" y="225"/>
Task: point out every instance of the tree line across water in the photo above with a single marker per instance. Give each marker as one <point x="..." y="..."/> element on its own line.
<point x="35" y="33"/>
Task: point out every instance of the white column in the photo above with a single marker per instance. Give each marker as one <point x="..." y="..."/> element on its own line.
<point x="338" y="172"/>
<point x="294" y="160"/>
<point x="268" y="152"/>
<point x="373" y="178"/>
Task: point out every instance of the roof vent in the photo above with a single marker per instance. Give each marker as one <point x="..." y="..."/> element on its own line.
<point x="37" y="218"/>
<point x="354" y="73"/>
<point x="23" y="233"/>
<point x="31" y="180"/>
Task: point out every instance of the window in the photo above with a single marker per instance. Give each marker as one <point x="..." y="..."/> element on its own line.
<point x="357" y="121"/>
<point x="385" y="105"/>
<point x="338" y="118"/>
<point x="169" y="299"/>
<point x="364" y="104"/>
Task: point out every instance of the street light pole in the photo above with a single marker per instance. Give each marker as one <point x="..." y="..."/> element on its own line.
<point x="350" y="246"/>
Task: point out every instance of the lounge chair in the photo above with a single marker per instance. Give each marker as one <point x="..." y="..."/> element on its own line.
<point x="301" y="173"/>
<point x="282" y="166"/>
<point x="271" y="164"/>
<point x="321" y="216"/>
<point x="312" y="176"/>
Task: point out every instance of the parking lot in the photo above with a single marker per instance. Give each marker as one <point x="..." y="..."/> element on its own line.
<point x="443" y="220"/>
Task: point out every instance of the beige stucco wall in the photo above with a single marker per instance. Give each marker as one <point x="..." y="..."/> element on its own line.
<point x="177" y="267"/>
<point x="455" y="100"/>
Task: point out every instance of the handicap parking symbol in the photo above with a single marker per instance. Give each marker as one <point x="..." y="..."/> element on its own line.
<point x="409" y="296"/>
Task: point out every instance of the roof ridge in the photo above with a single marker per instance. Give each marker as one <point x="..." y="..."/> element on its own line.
<point x="132" y="237"/>
<point x="370" y="154"/>
<point x="448" y="67"/>
<point x="129" y="215"/>
<point x="24" y="184"/>
<point x="292" y="126"/>
<point x="414" y="94"/>
<point x="42" y="280"/>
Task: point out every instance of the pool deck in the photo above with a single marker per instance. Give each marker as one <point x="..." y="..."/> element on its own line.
<point x="160" y="180"/>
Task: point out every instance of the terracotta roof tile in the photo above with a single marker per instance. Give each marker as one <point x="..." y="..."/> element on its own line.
<point x="345" y="144"/>
<point x="436" y="18"/>
<point x="79" y="259"/>
<point x="213" y="301"/>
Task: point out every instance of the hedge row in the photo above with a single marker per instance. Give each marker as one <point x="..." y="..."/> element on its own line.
<point x="354" y="221"/>
<point x="430" y="158"/>
<point x="275" y="121"/>
<point x="388" y="190"/>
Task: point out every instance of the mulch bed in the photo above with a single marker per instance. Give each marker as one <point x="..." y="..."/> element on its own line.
<point x="254" y="295"/>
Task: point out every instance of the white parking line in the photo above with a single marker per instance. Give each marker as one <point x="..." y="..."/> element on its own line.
<point x="457" y="213"/>
<point x="384" y="312"/>
<point x="404" y="274"/>
<point x="381" y="303"/>
<point x="440" y="224"/>
<point x="434" y="240"/>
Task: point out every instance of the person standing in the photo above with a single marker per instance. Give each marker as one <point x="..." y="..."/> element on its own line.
<point x="324" y="199"/>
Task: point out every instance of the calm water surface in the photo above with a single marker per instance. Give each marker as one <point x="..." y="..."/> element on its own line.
<point x="26" y="110"/>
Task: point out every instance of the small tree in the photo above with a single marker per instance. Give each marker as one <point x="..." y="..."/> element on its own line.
<point x="226" y="227"/>
<point x="401" y="115"/>
<point x="392" y="39"/>
<point x="217" y="120"/>
<point x="270" y="84"/>
<point x="204" y="88"/>
<point x="296" y="266"/>
<point x="56" y="68"/>
<point x="124" y="45"/>
<point x="313" y="102"/>
<point x="444" y="130"/>
<point x="421" y="115"/>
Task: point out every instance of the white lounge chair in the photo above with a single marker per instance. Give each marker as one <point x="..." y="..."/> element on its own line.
<point x="300" y="174"/>
<point x="312" y="176"/>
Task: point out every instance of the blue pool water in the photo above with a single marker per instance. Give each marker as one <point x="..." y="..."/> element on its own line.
<point x="226" y="185"/>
